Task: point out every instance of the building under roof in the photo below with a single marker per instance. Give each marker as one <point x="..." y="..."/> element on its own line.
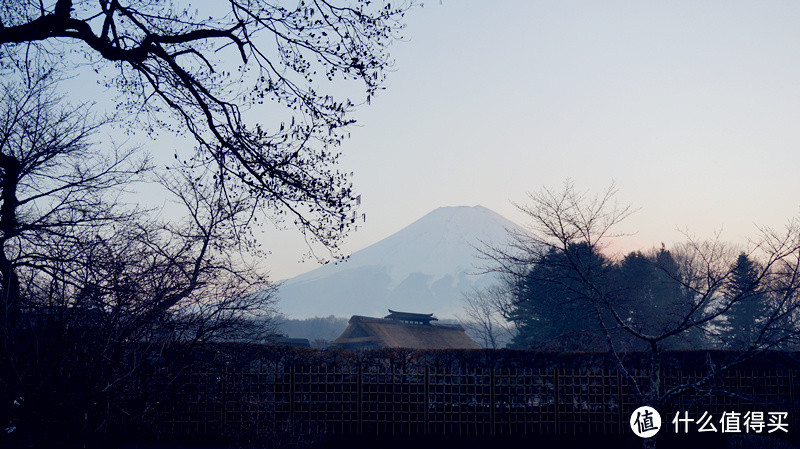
<point x="403" y="330"/>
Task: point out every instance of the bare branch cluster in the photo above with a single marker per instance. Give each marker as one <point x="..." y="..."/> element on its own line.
<point x="488" y="316"/>
<point x="183" y="60"/>
<point x="90" y="287"/>
<point x="700" y="294"/>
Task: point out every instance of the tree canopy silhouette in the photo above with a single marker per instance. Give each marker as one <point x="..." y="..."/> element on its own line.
<point x="648" y="302"/>
<point x="92" y="290"/>
<point x="197" y="70"/>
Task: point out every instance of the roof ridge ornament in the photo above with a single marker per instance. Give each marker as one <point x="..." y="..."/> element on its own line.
<point x="409" y="317"/>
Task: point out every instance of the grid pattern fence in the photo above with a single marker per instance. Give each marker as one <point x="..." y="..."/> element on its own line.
<point x="384" y="401"/>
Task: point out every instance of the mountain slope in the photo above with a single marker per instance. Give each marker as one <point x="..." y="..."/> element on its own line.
<point x="424" y="267"/>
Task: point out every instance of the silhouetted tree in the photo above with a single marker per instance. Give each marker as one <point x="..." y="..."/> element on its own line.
<point x="650" y="293"/>
<point x="318" y="328"/>
<point x="204" y="65"/>
<point x="51" y="180"/>
<point x="743" y="322"/>
<point x="547" y="305"/>
<point x="92" y="290"/>
<point x="94" y="281"/>
<point x="487" y="316"/>
<point x="687" y="290"/>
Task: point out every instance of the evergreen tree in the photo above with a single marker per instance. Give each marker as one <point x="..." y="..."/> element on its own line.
<point x="749" y="304"/>
<point x="648" y="288"/>
<point x="675" y="303"/>
<point x="550" y="307"/>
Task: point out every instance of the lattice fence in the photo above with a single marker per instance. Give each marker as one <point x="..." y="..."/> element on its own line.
<point x="481" y="402"/>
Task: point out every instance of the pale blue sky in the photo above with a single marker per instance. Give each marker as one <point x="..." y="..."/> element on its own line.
<point x="693" y="108"/>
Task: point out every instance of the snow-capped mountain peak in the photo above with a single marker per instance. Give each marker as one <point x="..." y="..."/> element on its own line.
<point x="423" y="267"/>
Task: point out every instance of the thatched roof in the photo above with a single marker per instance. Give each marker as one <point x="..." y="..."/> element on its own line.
<point x="366" y="332"/>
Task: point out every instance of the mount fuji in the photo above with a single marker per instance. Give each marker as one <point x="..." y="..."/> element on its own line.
<point x="425" y="267"/>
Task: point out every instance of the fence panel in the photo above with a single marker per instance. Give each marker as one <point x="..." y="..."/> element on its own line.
<point x="459" y="402"/>
<point x="380" y="400"/>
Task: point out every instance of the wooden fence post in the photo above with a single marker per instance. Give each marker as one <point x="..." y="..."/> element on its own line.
<point x="795" y="409"/>
<point x="738" y="388"/>
<point x="427" y="402"/>
<point x="224" y="397"/>
<point x="555" y="400"/>
<point x="620" y="397"/>
<point x="291" y="394"/>
<point x="359" y="399"/>
<point x="492" y="402"/>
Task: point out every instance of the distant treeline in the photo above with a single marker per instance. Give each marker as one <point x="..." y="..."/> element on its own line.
<point x="317" y="330"/>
